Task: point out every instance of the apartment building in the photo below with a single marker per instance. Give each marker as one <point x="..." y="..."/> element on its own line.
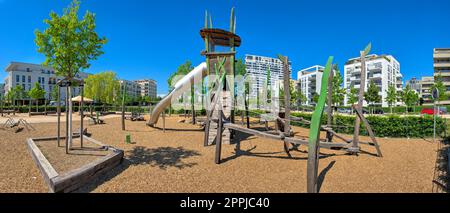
<point x="27" y="74"/>
<point x="414" y="84"/>
<point x="441" y="58"/>
<point x="148" y="87"/>
<point x="383" y="70"/>
<point x="309" y="82"/>
<point x="257" y="67"/>
<point x="426" y="84"/>
<point x="132" y="88"/>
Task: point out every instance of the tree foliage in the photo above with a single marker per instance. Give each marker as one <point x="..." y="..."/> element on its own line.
<point x="338" y="92"/>
<point x="69" y="44"/>
<point x="36" y="92"/>
<point x="391" y="97"/>
<point x="353" y="96"/>
<point x="372" y="95"/>
<point x="103" y="87"/>
<point x="439" y="84"/>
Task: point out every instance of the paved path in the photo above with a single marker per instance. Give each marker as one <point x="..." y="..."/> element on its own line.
<point x="48" y="118"/>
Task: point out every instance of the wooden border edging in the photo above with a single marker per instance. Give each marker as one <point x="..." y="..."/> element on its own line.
<point x="74" y="179"/>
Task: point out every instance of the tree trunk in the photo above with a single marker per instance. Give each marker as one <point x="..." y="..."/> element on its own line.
<point x="69" y="111"/>
<point x="37" y="105"/>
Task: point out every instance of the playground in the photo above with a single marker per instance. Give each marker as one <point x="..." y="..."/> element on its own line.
<point x="216" y="152"/>
<point x="177" y="161"/>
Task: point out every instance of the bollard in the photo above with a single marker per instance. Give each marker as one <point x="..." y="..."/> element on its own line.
<point x="128" y="139"/>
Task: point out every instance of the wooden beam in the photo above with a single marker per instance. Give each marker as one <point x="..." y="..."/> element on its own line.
<point x="369" y="130"/>
<point x="252" y="131"/>
<point x="355" y="145"/>
<point x="330" y="103"/>
<point x="219" y="135"/>
<point x="47" y="170"/>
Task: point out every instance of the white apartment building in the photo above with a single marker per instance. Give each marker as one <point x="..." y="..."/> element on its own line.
<point x="383" y="70"/>
<point x="132" y="88"/>
<point x="257" y="67"/>
<point x="148" y="87"/>
<point x="310" y="81"/>
<point x="26" y="74"/>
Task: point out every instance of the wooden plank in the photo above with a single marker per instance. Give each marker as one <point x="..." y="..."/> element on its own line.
<point x="252" y="131"/>
<point x="47" y="170"/>
<point x="314" y="133"/>
<point x="74" y="179"/>
<point x="326" y="145"/>
<point x="369" y="130"/>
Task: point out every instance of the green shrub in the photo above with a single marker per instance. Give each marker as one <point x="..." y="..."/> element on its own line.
<point x="383" y="126"/>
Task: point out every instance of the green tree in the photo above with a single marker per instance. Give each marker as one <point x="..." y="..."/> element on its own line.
<point x="391" y="97"/>
<point x="69" y="44"/>
<point x="54" y="94"/>
<point x="36" y="93"/>
<point x="268" y="86"/>
<point x="353" y="96"/>
<point x="315" y="98"/>
<point x="409" y="97"/>
<point x="19" y="94"/>
<point x="338" y="92"/>
<point x="372" y="95"/>
<point x="439" y="84"/>
<point x="103" y="87"/>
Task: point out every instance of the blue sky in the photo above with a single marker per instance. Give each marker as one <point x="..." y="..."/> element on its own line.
<point x="149" y="39"/>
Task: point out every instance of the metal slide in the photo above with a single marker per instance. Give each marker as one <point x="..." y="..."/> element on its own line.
<point x="180" y="87"/>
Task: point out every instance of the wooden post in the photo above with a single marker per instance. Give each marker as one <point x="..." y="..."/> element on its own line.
<point x="369" y="130"/>
<point x="246" y="105"/>
<point x="287" y="101"/>
<point x="314" y="133"/>
<point x="123" y="105"/>
<point x="355" y="145"/>
<point x="81" y="114"/>
<point x="67" y="120"/>
<point x="330" y="103"/>
<point x="193" y="102"/>
<point x="164" y="121"/>
<point x="58" y="111"/>
<point x="219" y="135"/>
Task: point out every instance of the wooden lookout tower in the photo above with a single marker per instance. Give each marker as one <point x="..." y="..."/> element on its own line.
<point x="220" y="51"/>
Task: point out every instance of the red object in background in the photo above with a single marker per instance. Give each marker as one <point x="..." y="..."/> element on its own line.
<point x="430" y="111"/>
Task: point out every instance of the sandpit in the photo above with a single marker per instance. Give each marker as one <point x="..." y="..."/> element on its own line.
<point x="177" y="161"/>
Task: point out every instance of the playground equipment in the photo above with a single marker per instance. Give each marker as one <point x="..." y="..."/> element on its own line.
<point x="11" y="123"/>
<point x="180" y="87"/>
<point x="220" y="125"/>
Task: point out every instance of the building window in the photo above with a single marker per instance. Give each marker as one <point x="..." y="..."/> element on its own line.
<point x="28" y="70"/>
<point x="17" y="78"/>
<point x="29" y="79"/>
<point x="23" y="78"/>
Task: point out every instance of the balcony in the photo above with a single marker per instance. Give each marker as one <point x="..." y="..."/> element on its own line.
<point x="375" y="76"/>
<point x="443" y="54"/>
<point x="442" y="65"/>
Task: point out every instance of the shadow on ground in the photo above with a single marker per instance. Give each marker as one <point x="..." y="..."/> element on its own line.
<point x="162" y="157"/>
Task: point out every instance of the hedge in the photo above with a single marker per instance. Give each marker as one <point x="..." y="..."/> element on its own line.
<point x="385" y="126"/>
